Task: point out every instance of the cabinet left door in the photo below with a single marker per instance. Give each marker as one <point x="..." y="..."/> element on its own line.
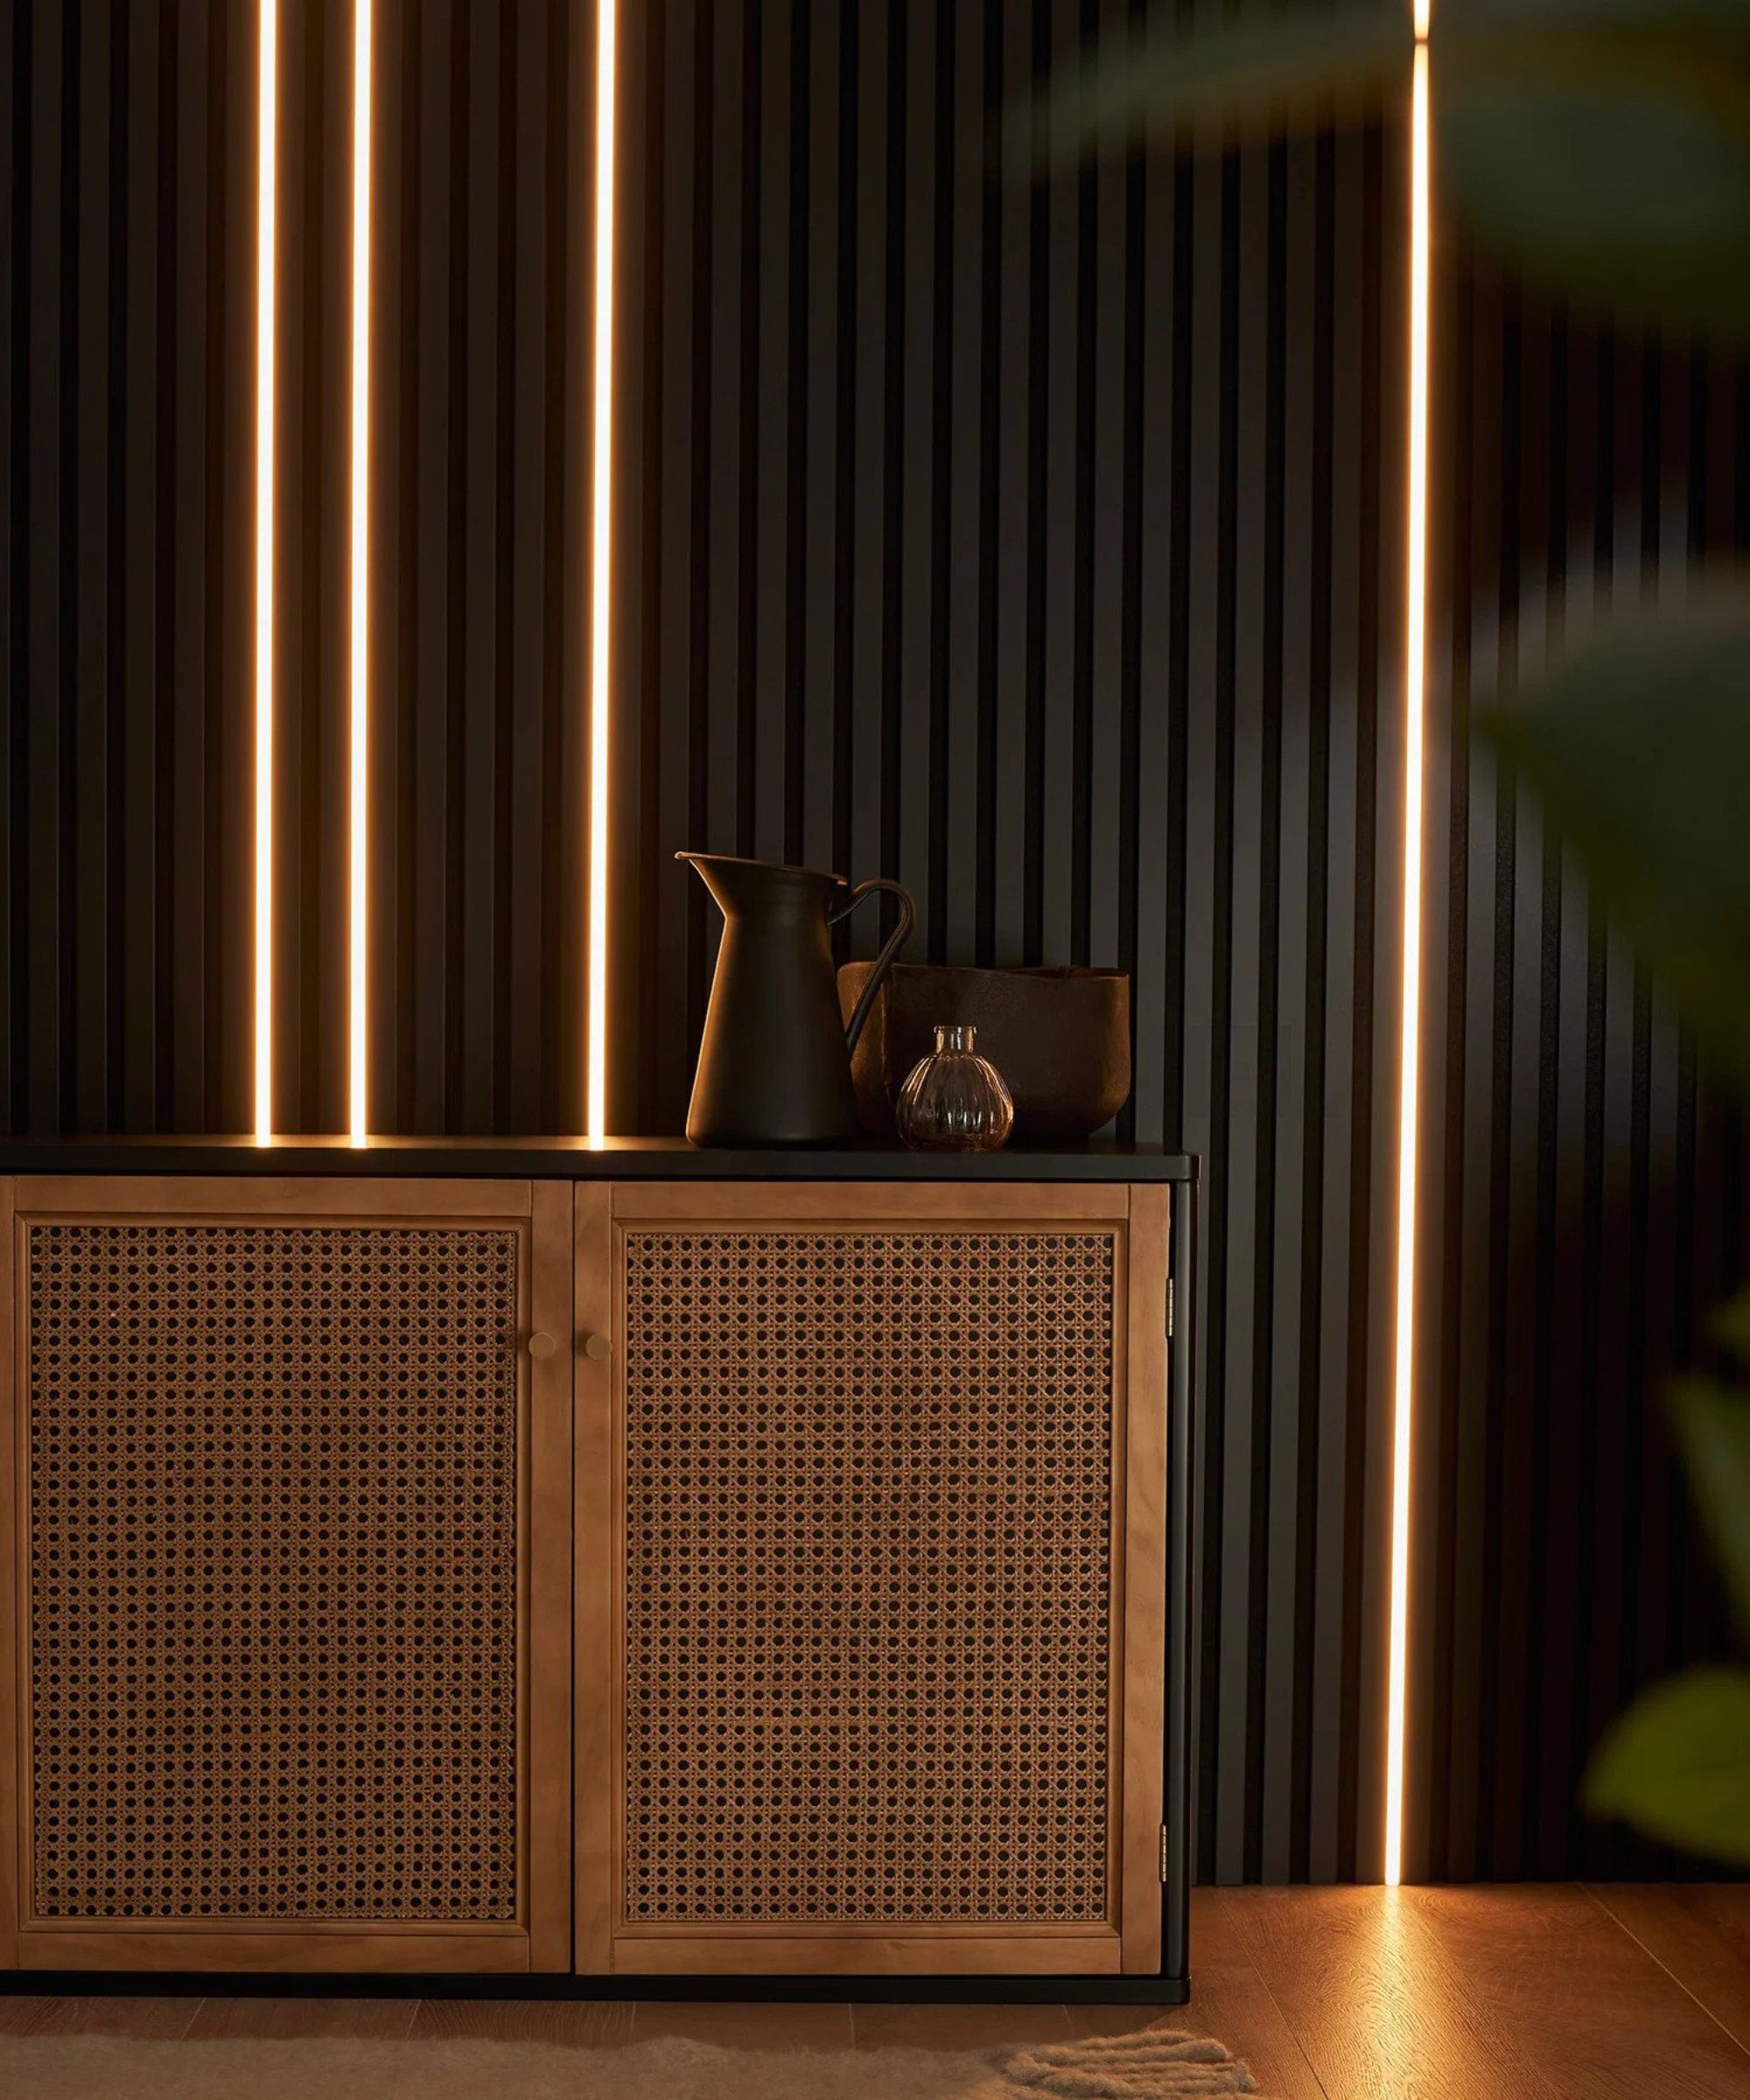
<point x="285" y="1606"/>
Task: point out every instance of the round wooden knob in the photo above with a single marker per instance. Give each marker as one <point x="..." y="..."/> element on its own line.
<point x="540" y="1346"/>
<point x="597" y="1347"/>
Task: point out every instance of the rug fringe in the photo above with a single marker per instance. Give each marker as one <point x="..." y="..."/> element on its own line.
<point x="1152" y="2064"/>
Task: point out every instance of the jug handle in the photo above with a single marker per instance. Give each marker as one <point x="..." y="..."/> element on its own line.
<point x="884" y="962"/>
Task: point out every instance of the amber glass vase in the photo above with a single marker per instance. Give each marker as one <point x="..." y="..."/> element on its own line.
<point x="954" y="1101"/>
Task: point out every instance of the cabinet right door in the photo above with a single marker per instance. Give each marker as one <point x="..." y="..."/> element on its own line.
<point x="871" y="1625"/>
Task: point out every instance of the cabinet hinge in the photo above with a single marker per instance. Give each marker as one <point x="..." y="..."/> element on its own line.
<point x="1169" y="1304"/>
<point x="1163" y="1851"/>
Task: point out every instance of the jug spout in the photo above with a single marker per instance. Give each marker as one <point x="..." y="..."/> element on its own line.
<point x="774" y="1060"/>
<point x="739" y="885"/>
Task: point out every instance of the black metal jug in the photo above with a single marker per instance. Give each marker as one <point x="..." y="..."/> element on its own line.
<point x="774" y="1062"/>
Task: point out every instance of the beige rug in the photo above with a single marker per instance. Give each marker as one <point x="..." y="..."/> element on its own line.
<point x="1153" y="2065"/>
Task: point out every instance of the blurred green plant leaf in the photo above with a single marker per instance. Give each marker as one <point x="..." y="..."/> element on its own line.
<point x="1619" y="200"/>
<point x="1677" y="1766"/>
<point x="1603" y="144"/>
<point x="1713" y="1427"/>
<point x="1637" y="743"/>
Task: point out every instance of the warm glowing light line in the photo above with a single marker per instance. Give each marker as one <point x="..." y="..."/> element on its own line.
<point x="264" y="570"/>
<point x="596" y="1015"/>
<point x="360" y="836"/>
<point x="1414" y="646"/>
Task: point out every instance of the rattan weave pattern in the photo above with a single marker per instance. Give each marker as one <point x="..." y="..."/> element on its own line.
<point x="868" y="1635"/>
<point x="274" y="1570"/>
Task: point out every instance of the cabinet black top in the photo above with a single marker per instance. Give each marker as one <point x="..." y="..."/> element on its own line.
<point x="576" y="1159"/>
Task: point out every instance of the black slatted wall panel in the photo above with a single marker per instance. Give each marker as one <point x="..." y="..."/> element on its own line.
<point x="1585" y="1195"/>
<point x="484" y="264"/>
<point x="127" y="454"/>
<point x="128" y="450"/>
<point x="1040" y="547"/>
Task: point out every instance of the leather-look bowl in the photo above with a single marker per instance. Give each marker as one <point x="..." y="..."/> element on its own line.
<point x="1060" y="1037"/>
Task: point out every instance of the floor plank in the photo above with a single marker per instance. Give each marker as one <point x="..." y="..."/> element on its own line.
<point x="1481" y="1994"/>
<point x="1378" y="2011"/>
<point x="1216" y="1940"/>
<point x="303" y="2019"/>
<point x="577" y="2023"/>
<point x="956" y="2026"/>
<point x="1701" y="1935"/>
<point x="1597" y="2014"/>
<point x="737" y="2025"/>
<point x="135" y="2019"/>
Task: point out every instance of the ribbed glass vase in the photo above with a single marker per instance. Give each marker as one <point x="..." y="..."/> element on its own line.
<point x="954" y="1101"/>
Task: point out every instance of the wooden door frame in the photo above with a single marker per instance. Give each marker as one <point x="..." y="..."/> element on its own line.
<point x="1131" y="1941"/>
<point x="596" y="1564"/>
<point x="540" y="1938"/>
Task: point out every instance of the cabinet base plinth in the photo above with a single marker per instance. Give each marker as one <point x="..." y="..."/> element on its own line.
<point x="835" y="1990"/>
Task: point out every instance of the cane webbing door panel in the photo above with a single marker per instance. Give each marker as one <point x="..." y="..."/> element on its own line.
<point x="873" y="1681"/>
<point x="291" y="1612"/>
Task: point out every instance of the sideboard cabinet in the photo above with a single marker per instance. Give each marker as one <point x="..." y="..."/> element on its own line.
<point x="647" y="1577"/>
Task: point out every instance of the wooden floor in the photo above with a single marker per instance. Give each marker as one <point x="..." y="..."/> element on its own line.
<point x="1331" y="1994"/>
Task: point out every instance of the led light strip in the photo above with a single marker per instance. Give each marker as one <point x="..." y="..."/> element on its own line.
<point x="1414" y="646"/>
<point x="357" y="1063"/>
<point x="596" y="1008"/>
<point x="264" y="570"/>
